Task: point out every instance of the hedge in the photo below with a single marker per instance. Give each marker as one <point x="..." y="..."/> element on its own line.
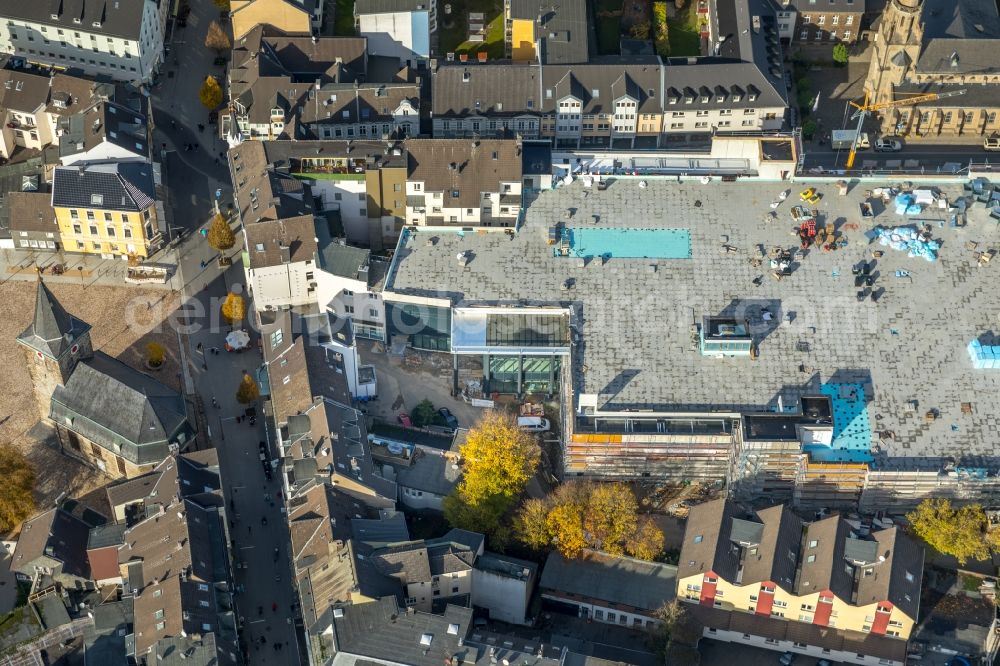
<point x="661" y="34"/>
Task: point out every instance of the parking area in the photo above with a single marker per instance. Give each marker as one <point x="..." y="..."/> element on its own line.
<point x="718" y="653"/>
<point x="404" y="381"/>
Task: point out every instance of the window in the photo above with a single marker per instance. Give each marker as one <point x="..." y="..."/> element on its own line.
<point x="276" y="337"/>
<point x="111" y="232"/>
<point x="107" y="217"/>
<point x="698" y="538"/>
<point x="835" y="20"/>
<point x="847" y="35"/>
<point x="821" y="20"/>
<point x="349" y="309"/>
<point x="90" y="215"/>
<point x="158" y="614"/>
<point x="811" y="558"/>
<point x="372" y="312"/>
<point x="612" y="616"/>
<point x="93" y="230"/>
<point x="804" y="34"/>
<point x="623" y="619"/>
<point x="909" y="577"/>
<point x="128" y="232"/>
<point x="813" y="543"/>
<point x="849" y="20"/>
<point x="598" y="614"/>
<point x="77" y="229"/>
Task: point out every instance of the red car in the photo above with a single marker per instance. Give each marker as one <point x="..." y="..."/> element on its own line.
<point x="404" y="420"/>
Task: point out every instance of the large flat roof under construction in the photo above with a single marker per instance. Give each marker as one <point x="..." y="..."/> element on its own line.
<point x="638" y="348"/>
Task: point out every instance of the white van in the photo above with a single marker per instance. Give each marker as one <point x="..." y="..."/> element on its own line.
<point x="533" y="423"/>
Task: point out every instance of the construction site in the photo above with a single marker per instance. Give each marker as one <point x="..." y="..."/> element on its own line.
<point x="809" y="344"/>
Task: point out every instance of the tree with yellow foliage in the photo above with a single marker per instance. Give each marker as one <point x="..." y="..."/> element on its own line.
<point x="155" y="353"/>
<point x="579" y="514"/>
<point x="499" y="459"/>
<point x="248" y="391"/>
<point x="17" y="500"/>
<point x="210" y="93"/>
<point x="234" y="308"/>
<point x="962" y="532"/>
<point x="220" y="234"/>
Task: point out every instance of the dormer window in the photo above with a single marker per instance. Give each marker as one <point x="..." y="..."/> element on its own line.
<point x="76" y="21"/>
<point x="704" y="99"/>
<point x="55" y="17"/>
<point x="737" y="98"/>
<point x="277" y="112"/>
<point x="753" y="97"/>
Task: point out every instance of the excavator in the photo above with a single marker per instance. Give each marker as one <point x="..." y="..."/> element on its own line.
<point x="865" y="108"/>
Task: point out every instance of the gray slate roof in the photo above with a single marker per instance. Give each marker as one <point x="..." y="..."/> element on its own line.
<point x="389" y="6"/>
<point x="959" y="56"/>
<point x="121" y="409"/>
<point x="114" y="19"/>
<point x="380" y="630"/>
<point x="344" y="260"/>
<point x="959" y="18"/>
<point x="561" y="28"/>
<point x="53" y="330"/>
<point x="621" y="580"/>
<point x="429" y="473"/>
<point x="123" y="186"/>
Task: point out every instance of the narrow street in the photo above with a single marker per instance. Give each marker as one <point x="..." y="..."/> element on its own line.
<point x="195" y="176"/>
<point x="265" y="597"/>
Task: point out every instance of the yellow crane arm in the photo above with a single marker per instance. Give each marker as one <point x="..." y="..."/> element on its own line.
<point x="918" y="99"/>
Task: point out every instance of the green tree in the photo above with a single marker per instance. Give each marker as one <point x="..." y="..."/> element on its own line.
<point x="210" y="93"/>
<point x="840" y="54"/>
<point x="17" y="500"/>
<point x="957" y="531"/>
<point x="234" y="308"/>
<point x="248" y="391"/>
<point x="220" y="234"/>
<point x="423" y="414"/>
<point x="661" y="33"/>
<point x="222" y="4"/>
<point x="216" y="38"/>
<point x="809" y="128"/>
<point x="498" y="461"/>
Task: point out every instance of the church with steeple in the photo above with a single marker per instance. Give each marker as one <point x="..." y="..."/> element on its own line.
<point x="120" y="420"/>
<point x="945" y="47"/>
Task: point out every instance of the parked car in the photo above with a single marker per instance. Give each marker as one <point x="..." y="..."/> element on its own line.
<point x="533" y="423"/>
<point x="888" y="145"/>
<point x="449" y="418"/>
<point x="786" y="659"/>
<point x="404" y="420"/>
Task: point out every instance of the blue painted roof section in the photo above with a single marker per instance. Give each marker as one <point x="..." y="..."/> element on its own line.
<point x="852" y="431"/>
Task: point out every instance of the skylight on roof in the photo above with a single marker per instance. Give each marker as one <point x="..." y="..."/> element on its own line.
<point x="425" y="639"/>
<point x="453" y="629"/>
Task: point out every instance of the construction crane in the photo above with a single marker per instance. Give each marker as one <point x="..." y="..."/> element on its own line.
<point x="865" y="108"/>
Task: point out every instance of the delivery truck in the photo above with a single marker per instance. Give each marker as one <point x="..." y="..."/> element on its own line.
<point x="842" y="139"/>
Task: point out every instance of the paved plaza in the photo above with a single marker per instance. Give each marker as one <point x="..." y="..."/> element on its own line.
<point x="637" y="345"/>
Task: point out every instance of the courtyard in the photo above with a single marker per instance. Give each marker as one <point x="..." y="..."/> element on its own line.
<point x="123" y="320"/>
<point x="638" y="319"/>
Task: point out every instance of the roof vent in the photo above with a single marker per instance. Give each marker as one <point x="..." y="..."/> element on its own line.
<point x="466" y="76"/>
<point x="425" y="639"/>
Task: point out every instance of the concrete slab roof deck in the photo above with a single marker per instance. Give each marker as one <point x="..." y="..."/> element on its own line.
<point x="633" y="319"/>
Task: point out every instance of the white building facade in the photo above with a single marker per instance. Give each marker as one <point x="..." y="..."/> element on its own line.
<point x="121" y="39"/>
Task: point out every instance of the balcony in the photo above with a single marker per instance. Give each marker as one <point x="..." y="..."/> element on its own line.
<point x="335" y="170"/>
